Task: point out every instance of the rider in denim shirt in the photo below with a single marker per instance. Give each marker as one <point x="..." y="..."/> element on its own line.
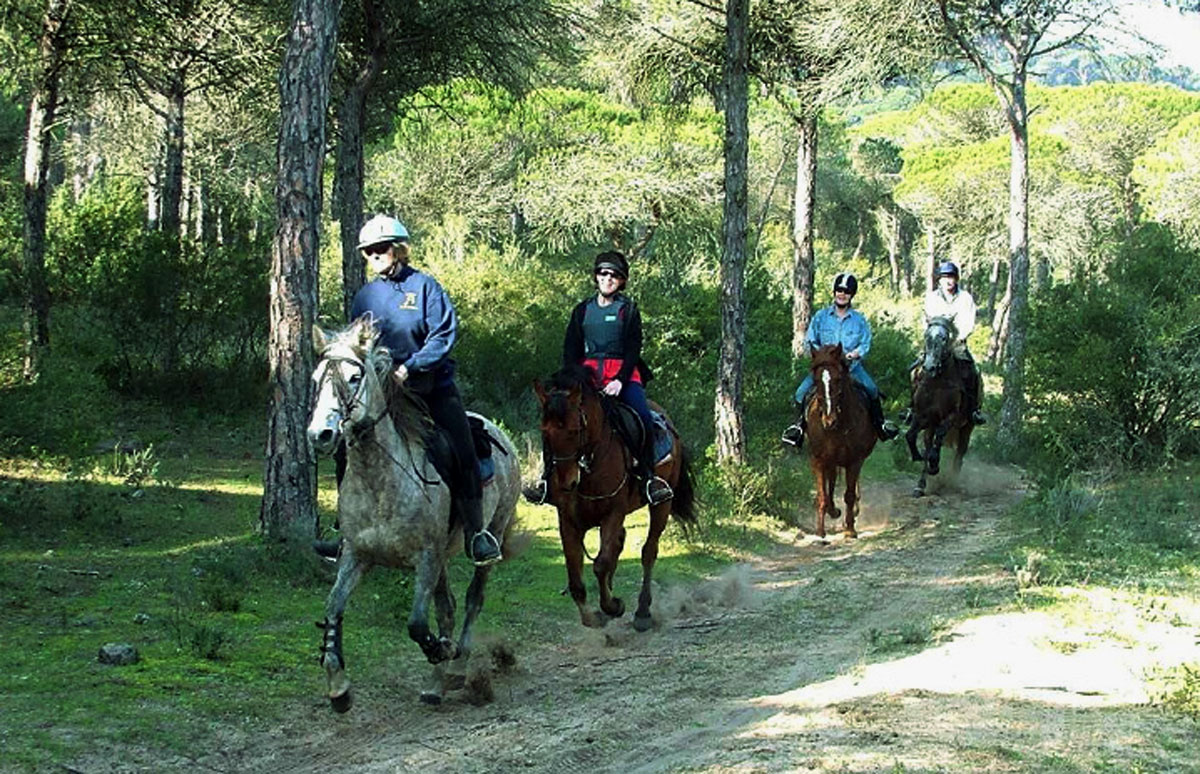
<point x="840" y="324"/>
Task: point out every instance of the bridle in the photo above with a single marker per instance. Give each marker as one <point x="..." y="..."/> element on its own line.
<point x="585" y="456"/>
<point x="348" y="398"/>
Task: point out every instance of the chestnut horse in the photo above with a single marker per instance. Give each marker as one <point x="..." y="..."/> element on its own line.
<point x="591" y="485"/>
<point x="840" y="435"/>
<point x="938" y="404"/>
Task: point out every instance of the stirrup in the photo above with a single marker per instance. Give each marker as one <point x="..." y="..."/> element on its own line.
<point x="793" y="436"/>
<point x="537" y="493"/>
<point x="485" y="549"/>
<point x="906" y="416"/>
<point x="888" y="430"/>
<point x="977" y="418"/>
<point x="658" y="491"/>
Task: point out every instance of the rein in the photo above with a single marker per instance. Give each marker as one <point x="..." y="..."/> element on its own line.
<point x="356" y="434"/>
<point x="586" y="459"/>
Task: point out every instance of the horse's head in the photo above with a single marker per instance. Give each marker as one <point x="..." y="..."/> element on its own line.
<point x="347" y="379"/>
<point x="940" y="335"/>
<point x="572" y="416"/>
<point x="831" y="375"/>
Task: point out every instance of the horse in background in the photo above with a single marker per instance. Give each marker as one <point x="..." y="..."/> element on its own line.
<point x="591" y="485"/>
<point x="394" y="507"/>
<point x="938" y="404"/>
<point x="840" y="435"/>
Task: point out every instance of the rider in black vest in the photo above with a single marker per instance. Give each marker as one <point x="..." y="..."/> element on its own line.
<point x="605" y="334"/>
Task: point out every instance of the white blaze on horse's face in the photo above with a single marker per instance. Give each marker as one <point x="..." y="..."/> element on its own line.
<point x="325" y="422"/>
<point x="826" y="389"/>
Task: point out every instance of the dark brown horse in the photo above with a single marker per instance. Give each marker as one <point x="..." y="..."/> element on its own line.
<point x="938" y="404"/>
<point x="591" y="485"/>
<point x="840" y="435"/>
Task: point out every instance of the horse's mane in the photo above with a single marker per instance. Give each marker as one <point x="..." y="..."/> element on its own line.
<point x="409" y="413"/>
<point x="946" y="323"/>
<point x="564" y="380"/>
<point x="828" y="356"/>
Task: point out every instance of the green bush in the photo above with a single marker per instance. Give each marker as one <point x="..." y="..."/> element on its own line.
<point x="1114" y="361"/>
<point x="171" y="317"/>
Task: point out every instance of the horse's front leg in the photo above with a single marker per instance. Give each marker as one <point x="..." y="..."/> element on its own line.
<point x="350" y="571"/>
<point x="430" y="568"/>
<point x="443" y="605"/>
<point x="819" y="474"/>
<point x="658" y="522"/>
<point x="571" y="535"/>
<point x="852" y="498"/>
<point x="911" y="437"/>
<point x="933" y="454"/>
<point x="612" y="542"/>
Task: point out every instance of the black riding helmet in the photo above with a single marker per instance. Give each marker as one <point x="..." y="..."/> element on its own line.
<point x="947" y="269"/>
<point x="613" y="261"/>
<point x="847" y="282"/>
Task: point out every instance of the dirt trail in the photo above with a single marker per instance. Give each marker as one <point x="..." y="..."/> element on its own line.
<point x="841" y="656"/>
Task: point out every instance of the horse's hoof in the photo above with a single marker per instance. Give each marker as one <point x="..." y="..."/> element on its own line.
<point x="341" y="703"/>
<point x="849" y="533"/>
<point x="918" y="492"/>
<point x="616" y="608"/>
<point x="933" y="470"/>
<point x="643" y="623"/>
<point x="431" y="698"/>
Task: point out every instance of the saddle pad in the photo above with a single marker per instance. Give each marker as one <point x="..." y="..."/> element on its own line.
<point x="631" y="430"/>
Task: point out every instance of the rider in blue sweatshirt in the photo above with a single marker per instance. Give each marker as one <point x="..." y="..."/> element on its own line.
<point x="418" y="325"/>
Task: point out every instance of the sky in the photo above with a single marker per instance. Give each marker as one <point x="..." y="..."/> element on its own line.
<point x="1177" y="32"/>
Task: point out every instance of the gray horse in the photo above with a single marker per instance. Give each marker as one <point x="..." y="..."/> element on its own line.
<point x="393" y="506"/>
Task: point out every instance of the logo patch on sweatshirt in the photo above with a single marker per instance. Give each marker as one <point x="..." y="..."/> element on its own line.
<point x="410" y="301"/>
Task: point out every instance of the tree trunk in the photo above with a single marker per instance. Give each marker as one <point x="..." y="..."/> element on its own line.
<point x="170" y="217"/>
<point x="803" y="207"/>
<point x="43" y="105"/>
<point x="892" y="221"/>
<point x="349" y="169"/>
<point x="289" y="511"/>
<point x="994" y="290"/>
<point x="930" y="259"/>
<point x="1000" y="326"/>
<point x="1012" y="407"/>
<point x="729" y="416"/>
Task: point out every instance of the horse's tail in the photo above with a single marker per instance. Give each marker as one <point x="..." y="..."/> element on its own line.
<point x="683" y="504"/>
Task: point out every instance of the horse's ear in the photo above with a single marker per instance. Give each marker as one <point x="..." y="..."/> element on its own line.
<point x="320" y="340"/>
<point x="540" y="391"/>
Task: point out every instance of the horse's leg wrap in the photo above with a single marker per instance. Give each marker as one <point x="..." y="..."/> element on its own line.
<point x="331" y="644"/>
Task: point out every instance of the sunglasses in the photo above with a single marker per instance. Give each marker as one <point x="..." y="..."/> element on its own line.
<point x="378" y="249"/>
<point x="608" y="273"/>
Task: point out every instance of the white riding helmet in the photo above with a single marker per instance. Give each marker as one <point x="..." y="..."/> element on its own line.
<point x="381" y="228"/>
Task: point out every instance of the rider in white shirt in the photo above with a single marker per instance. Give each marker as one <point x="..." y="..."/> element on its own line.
<point x="949" y="300"/>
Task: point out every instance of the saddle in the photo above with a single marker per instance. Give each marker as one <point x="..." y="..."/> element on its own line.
<point x="629" y="426"/>
<point x="441" y="454"/>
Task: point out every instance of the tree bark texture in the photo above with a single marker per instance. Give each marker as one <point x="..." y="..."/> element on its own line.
<point x="729" y="413"/>
<point x="350" y="171"/>
<point x="1012" y="408"/>
<point x="804" y="265"/>
<point x="43" y="105"/>
<point x="288" y="509"/>
<point x="171" y="215"/>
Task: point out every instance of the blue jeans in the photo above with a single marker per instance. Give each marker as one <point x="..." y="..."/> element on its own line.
<point x="857" y="373"/>
<point x="634" y="396"/>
